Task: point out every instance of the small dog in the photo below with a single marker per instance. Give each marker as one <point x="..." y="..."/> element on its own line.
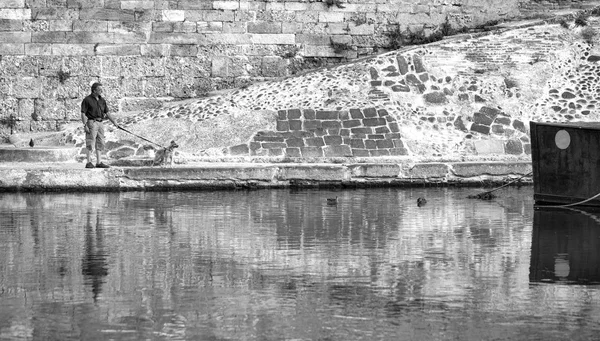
<point x="165" y="155"/>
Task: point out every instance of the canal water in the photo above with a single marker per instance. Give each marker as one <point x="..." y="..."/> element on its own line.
<point x="285" y="265"/>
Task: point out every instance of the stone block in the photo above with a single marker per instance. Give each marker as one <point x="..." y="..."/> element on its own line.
<point x="273" y="39"/>
<point x="185" y="27"/>
<point x="295" y="142"/>
<point x="337" y="151"/>
<point x="264" y="27"/>
<point x="177" y="38"/>
<point x="203" y="26"/>
<point x="72" y="49"/>
<point x="49" y="37"/>
<point x="184" y="50"/>
<point x="118" y="50"/>
<point x="351" y="123"/>
<point x="327" y="51"/>
<point x="274" y="66"/>
<point x="220" y="66"/>
<point x="311" y="152"/>
<point x="375" y="170"/>
<point x="485" y="147"/>
<point x="337" y="28"/>
<point x="225" y="5"/>
<point x="15" y="13"/>
<point x="12" y="49"/>
<point x="327" y="115"/>
<point x="129" y="38"/>
<point x="163" y="26"/>
<point x="472" y="169"/>
<point x="129" y="27"/>
<point x="90" y="25"/>
<point x="11" y="25"/>
<point x="137" y="4"/>
<point x="173" y="15"/>
<point x="331" y="124"/>
<point x="314" y="142"/>
<point x="379" y="152"/>
<point x="297" y="6"/>
<point x="333" y="140"/>
<point x="478" y="128"/>
<point x="398" y="151"/>
<point x="514" y="147"/>
<point x="235" y="27"/>
<point x="361" y="30"/>
<point x="38" y="49"/>
<point x="313" y="39"/>
<point x="218" y="15"/>
<point x="60" y="25"/>
<point x="312" y="172"/>
<point x="137" y="104"/>
<point x="194" y="4"/>
<point x="272" y="145"/>
<point x="12" y="3"/>
<point x="15" y="37"/>
<point x="426" y="171"/>
<point x="293" y="152"/>
<point x="436" y="98"/>
<point x="331" y="17"/>
<point x="282" y="126"/>
<point x="373" y="122"/>
<point x="295" y="125"/>
<point x="106" y="14"/>
<point x="229" y="38"/>
<point x="486" y="115"/>
<point x="89" y="38"/>
<point x="84" y="4"/>
<point x="294" y="114"/>
<point x="27" y="87"/>
<point x="155" y="50"/>
<point x="25" y="108"/>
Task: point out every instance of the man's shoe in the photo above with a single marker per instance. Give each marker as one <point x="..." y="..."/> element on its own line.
<point x="102" y="165"/>
<point x="89" y="165"/>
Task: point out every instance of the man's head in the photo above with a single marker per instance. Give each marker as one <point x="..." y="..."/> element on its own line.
<point x="97" y="89"/>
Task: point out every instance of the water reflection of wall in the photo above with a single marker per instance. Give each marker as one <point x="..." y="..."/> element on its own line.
<point x="565" y="246"/>
<point x="159" y="249"/>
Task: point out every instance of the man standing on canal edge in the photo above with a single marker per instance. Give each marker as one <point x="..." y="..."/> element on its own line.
<point x="93" y="111"/>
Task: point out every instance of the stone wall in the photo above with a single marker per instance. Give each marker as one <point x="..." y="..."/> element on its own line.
<point x="149" y="52"/>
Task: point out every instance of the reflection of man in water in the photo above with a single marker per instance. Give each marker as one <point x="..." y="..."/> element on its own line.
<point x="93" y="265"/>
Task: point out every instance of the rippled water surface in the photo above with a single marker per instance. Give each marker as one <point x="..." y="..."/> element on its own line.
<point x="284" y="265"/>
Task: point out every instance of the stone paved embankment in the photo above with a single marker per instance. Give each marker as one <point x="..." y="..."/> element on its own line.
<point x="72" y="176"/>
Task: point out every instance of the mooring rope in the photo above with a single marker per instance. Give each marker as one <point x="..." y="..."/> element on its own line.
<point x="487" y="195"/>
<point x="573" y="204"/>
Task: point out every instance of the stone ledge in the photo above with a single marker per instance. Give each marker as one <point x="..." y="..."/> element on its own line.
<point x="38" y="154"/>
<point x="74" y="177"/>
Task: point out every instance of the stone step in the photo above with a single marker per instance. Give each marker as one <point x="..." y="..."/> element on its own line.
<point x="9" y="153"/>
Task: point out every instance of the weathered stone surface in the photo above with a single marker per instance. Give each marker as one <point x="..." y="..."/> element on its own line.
<point x="472" y="169"/>
<point x="486" y="147"/>
<point x="375" y="170"/>
<point x="514" y="147"/>
<point x="339" y="150"/>
<point x="313" y="172"/>
<point x="478" y="128"/>
<point x="435" y="98"/>
<point x="418" y="63"/>
<point x="425" y="171"/>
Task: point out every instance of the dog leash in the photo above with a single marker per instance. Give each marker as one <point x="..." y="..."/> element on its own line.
<point x="143" y="138"/>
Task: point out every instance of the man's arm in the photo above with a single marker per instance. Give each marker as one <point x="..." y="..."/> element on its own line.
<point x="112" y="119"/>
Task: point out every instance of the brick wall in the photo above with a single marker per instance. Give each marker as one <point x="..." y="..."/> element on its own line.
<point x="146" y="52"/>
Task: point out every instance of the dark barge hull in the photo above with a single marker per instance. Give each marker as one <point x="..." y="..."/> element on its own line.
<point x="565" y="162"/>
